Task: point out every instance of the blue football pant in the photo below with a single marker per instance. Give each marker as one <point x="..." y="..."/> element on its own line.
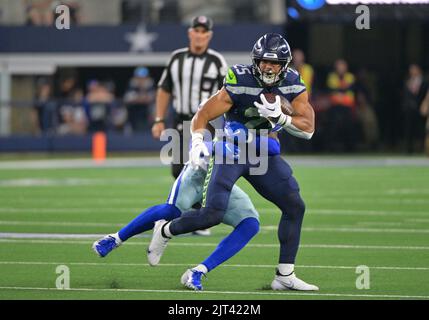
<point x="277" y="185"/>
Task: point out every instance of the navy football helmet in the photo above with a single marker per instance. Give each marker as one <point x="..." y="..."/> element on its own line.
<point x="271" y="47"/>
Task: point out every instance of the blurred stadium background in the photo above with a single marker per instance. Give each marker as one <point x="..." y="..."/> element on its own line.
<point x="49" y="77"/>
<point x="364" y="177"/>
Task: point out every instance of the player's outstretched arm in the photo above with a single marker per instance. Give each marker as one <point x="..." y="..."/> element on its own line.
<point x="215" y="106"/>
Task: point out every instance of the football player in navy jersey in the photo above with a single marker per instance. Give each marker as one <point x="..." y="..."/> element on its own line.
<point x="242" y="101"/>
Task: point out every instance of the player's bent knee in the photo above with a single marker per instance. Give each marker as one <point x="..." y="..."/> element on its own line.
<point x="294" y="206"/>
<point x="300" y="207"/>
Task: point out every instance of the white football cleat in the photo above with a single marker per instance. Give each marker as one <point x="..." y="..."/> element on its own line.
<point x="157" y="244"/>
<point x="103" y="246"/>
<point x="204" y="232"/>
<point x="191" y="279"/>
<point x="291" y="282"/>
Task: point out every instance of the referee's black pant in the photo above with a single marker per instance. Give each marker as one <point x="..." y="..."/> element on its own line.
<point x="176" y="168"/>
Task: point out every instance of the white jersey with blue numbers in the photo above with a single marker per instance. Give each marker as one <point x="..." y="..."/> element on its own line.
<point x="244" y="89"/>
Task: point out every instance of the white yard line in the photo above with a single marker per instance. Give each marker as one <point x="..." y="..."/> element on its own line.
<point x="20" y="238"/>
<point x="365" y="200"/>
<point x="101" y="209"/>
<point x="362" y="230"/>
<point x="59" y="223"/>
<point x="72" y="182"/>
<point x="286" y="293"/>
<point x="339" y="228"/>
<point x="407" y="191"/>
<point x="349" y="229"/>
<point x="362" y="226"/>
<point x="70" y="210"/>
<point x="417" y="220"/>
<point x="114" y="264"/>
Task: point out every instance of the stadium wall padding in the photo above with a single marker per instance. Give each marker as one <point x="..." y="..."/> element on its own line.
<point x="115" y="142"/>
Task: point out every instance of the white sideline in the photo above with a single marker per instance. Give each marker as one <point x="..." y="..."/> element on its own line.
<point x="302" y="161"/>
<point x="288" y="293"/>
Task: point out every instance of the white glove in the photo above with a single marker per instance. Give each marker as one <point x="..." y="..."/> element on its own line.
<point x="198" y="152"/>
<point x="272" y="111"/>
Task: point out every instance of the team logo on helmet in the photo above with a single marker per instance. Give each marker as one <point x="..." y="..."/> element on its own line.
<point x="271" y="47"/>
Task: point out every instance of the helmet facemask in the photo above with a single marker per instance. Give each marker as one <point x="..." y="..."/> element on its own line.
<point x="269" y="78"/>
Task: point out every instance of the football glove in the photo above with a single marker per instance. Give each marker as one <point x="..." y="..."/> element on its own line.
<point x="272" y="112"/>
<point x="199" y="152"/>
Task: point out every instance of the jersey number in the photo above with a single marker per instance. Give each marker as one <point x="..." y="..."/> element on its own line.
<point x="242" y="69"/>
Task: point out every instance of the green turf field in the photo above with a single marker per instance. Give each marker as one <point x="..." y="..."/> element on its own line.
<point x="372" y="216"/>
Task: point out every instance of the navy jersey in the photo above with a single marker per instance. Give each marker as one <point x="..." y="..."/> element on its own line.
<point x="244" y="89"/>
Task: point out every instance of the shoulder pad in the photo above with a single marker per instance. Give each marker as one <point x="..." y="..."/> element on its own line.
<point x="293" y="76"/>
<point x="238" y="73"/>
<point x="230" y="77"/>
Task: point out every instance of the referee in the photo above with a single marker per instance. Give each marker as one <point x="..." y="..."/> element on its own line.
<point x="192" y="75"/>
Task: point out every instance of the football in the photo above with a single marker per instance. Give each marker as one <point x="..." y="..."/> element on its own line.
<point x="285" y="104"/>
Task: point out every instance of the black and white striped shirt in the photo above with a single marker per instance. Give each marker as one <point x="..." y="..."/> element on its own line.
<point x="192" y="79"/>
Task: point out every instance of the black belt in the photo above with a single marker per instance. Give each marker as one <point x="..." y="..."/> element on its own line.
<point x="179" y="119"/>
